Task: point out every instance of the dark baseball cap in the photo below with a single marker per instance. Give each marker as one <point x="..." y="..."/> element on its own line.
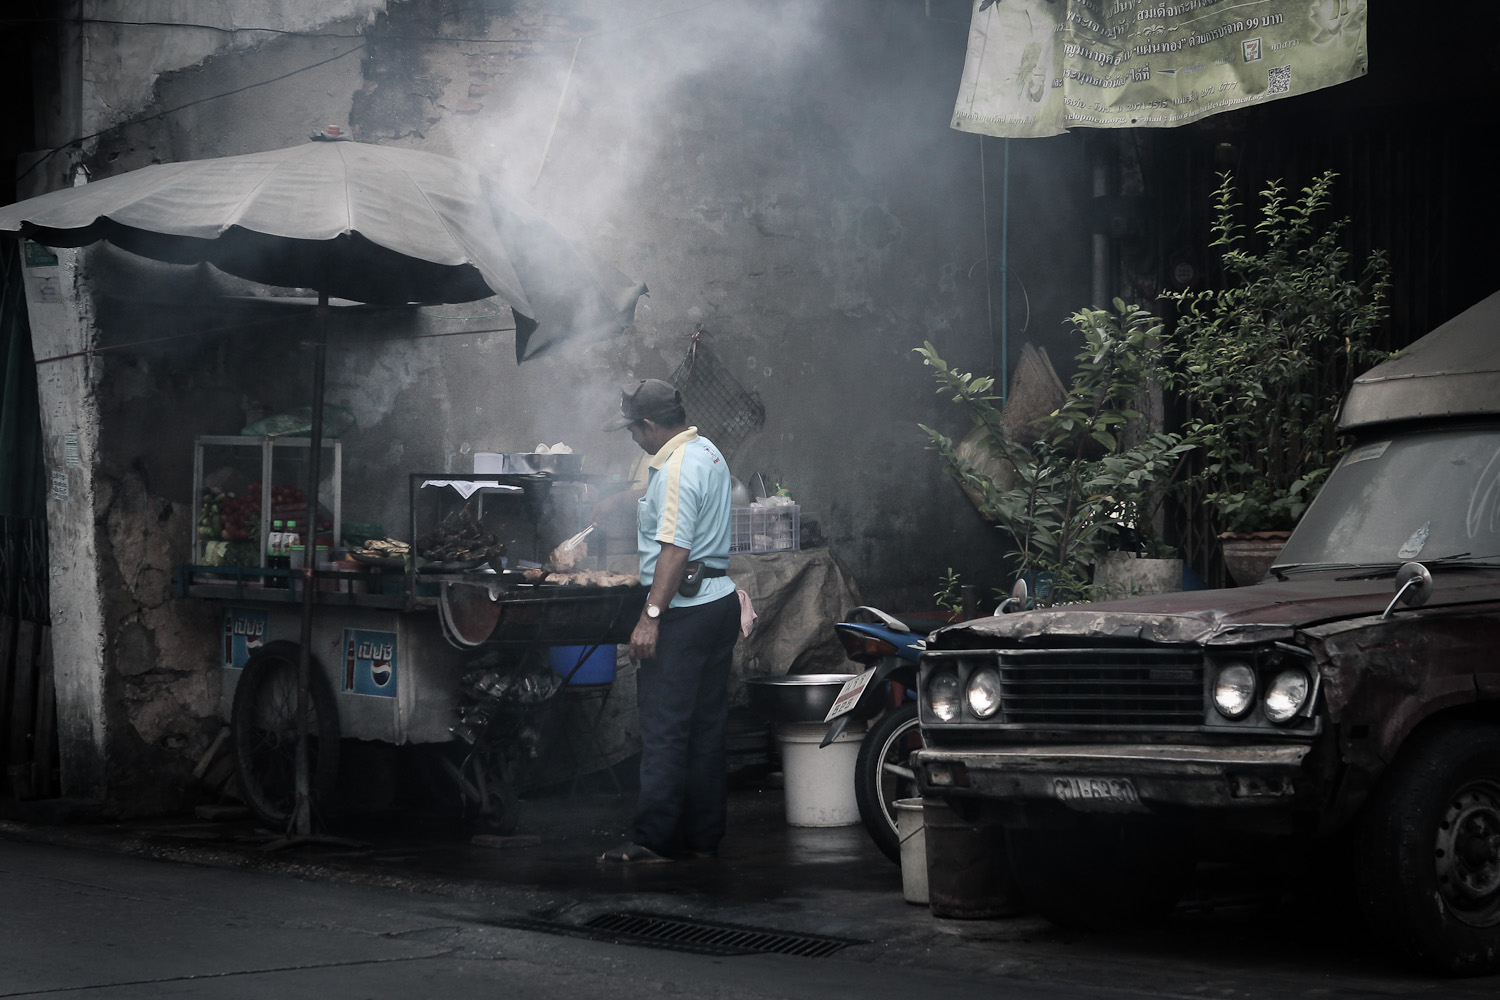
<point x="647" y="399"/>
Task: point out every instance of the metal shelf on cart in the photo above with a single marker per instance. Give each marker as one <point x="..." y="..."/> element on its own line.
<point x="245" y="583"/>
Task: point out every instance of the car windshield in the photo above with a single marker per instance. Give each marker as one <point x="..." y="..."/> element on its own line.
<point x="1430" y="495"/>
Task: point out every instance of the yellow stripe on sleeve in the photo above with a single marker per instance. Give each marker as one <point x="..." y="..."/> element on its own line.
<point x="666" y="530"/>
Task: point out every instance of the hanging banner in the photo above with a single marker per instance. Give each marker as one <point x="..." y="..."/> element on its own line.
<point x="1041" y="67"/>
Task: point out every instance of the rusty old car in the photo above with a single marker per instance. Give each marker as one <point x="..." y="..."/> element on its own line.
<point x="1350" y="698"/>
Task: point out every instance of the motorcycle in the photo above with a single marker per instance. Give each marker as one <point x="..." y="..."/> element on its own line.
<point x="889" y="647"/>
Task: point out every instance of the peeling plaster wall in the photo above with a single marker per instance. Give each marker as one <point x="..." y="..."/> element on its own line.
<point x="162" y="691"/>
<point x="129" y="45"/>
<point x="781" y="174"/>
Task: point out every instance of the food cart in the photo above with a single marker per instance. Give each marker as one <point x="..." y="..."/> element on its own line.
<point x="405" y="649"/>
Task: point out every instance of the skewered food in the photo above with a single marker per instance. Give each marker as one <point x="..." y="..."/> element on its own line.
<point x="382" y="548"/>
<point x="571" y="552"/>
<point x="592" y="578"/>
<point x="459" y="538"/>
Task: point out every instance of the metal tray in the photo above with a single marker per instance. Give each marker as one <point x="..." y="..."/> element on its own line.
<point x="521" y="463"/>
<point x="380" y="562"/>
<point x="452" y="566"/>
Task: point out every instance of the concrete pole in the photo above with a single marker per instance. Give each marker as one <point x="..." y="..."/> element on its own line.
<point x="62" y="332"/>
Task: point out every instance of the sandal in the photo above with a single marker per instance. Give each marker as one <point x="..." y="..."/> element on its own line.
<point x="632" y="854"/>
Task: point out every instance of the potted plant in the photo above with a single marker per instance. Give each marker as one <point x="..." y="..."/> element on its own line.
<point x="1093" y="478"/>
<point x="1264" y="360"/>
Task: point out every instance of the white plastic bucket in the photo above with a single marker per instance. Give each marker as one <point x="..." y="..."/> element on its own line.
<point x="912" y="832"/>
<point x="819" y="781"/>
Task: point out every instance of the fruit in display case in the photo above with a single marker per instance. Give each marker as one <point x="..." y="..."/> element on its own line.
<point x="235" y="515"/>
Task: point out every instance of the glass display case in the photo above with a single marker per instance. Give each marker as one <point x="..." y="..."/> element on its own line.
<point x="241" y="485"/>
<point x="459" y="521"/>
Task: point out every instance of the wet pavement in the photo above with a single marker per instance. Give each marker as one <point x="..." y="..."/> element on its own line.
<point x="1228" y="940"/>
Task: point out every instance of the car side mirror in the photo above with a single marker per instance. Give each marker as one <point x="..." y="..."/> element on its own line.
<point x="1016" y="601"/>
<point x="1413" y="587"/>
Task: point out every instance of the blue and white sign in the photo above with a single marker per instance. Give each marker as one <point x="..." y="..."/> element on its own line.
<point x="369" y="663"/>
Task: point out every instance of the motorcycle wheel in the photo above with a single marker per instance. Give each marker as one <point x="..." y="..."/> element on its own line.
<point x="881" y="775"/>
<point x="263" y="726"/>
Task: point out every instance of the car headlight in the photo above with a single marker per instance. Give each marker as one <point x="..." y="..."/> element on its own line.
<point x="1287" y="695"/>
<point x="942" y="696"/>
<point x="984" y="692"/>
<point x="1234" y="691"/>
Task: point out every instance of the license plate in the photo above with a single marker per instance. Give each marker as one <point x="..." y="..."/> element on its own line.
<point x="1096" y="791"/>
<point x="849" y="695"/>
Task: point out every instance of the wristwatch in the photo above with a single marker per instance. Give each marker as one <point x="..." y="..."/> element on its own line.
<point x="652" y="611"/>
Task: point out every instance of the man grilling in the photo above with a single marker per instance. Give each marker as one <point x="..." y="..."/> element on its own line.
<point x="685" y="637"/>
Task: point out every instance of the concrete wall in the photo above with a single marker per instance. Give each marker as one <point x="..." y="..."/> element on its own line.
<point x="780" y="174"/>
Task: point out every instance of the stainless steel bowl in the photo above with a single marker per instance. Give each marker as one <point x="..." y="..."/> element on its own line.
<point x="794" y="697"/>
<point x="522" y="463"/>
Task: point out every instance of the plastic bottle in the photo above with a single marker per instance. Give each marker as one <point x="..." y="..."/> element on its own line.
<point x="283" y="557"/>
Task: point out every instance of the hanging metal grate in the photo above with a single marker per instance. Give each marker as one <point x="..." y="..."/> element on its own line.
<point x="724" y="411"/>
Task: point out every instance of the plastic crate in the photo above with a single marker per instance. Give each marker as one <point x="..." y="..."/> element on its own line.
<point x="765" y="529"/>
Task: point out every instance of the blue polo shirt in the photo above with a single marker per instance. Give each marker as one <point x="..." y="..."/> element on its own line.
<point x="687" y="504"/>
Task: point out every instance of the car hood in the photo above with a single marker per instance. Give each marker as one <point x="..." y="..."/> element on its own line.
<point x="1260" y="613"/>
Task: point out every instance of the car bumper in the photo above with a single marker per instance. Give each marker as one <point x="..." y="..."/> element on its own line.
<point x="1117" y="778"/>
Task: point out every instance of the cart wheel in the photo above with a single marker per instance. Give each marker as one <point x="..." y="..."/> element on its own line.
<point x="263" y="722"/>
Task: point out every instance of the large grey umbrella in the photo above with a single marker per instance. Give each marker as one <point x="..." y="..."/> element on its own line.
<point x="370" y="223"/>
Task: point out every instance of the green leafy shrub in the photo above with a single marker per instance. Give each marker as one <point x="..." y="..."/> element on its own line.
<point x="1265" y="360"/>
<point x="1093" y="478"/>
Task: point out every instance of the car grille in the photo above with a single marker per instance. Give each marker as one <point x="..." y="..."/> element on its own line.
<point x="1101" y="687"/>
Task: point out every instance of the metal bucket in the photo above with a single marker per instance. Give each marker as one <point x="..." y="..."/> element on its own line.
<point x="968" y="873"/>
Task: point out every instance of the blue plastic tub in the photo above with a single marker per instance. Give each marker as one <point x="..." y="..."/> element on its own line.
<point x="597" y="668"/>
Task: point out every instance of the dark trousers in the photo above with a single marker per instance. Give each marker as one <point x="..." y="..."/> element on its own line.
<point x="684" y="703"/>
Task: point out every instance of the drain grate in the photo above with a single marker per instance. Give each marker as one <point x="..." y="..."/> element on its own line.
<point x="699" y="936"/>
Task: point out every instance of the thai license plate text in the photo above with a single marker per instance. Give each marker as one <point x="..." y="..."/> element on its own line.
<point x="1120" y="791"/>
<point x="849" y="695"/>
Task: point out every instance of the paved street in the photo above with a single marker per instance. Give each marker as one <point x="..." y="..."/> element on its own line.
<point x="190" y="908"/>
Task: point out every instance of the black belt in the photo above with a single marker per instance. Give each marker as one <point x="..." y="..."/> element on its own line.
<point x="693" y="577"/>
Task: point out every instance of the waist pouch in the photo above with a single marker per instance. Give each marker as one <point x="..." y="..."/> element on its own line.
<point x="693" y="577"/>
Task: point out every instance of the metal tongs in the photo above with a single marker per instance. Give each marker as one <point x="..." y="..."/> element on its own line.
<point x="570" y="551"/>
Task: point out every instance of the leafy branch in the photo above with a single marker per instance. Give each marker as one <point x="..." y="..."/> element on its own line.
<point x="1265" y="360"/>
<point x="1092" y="477"/>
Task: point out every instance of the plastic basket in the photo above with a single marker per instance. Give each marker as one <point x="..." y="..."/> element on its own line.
<point x="765" y="529"/>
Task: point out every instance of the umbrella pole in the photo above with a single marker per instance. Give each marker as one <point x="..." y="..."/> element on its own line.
<point x="302" y="815"/>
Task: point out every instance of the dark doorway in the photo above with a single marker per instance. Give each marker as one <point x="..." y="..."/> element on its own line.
<point x="28" y="710"/>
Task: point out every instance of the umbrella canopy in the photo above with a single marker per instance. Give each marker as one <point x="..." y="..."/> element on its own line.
<point x="370" y="223"/>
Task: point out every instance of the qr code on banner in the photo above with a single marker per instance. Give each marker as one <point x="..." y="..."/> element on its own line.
<point x="1279" y="80"/>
